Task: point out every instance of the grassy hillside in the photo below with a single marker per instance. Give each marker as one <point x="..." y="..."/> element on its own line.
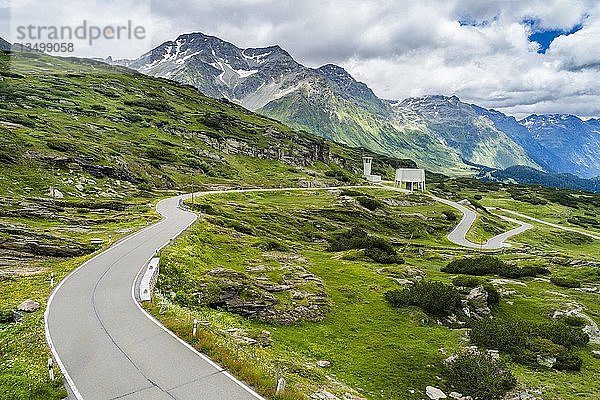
<point x="262" y="241"/>
<point x="87" y="149"/>
<point x="85" y="152"/>
<point x="323" y="112"/>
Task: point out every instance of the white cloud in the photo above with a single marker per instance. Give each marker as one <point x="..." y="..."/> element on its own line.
<point x="404" y="48"/>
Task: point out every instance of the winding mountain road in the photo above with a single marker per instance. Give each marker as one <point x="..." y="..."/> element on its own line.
<point x="539" y="221"/>
<point x="109" y="348"/>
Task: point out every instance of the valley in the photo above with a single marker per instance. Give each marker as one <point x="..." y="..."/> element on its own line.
<point x="274" y="234"/>
<point x="320" y="287"/>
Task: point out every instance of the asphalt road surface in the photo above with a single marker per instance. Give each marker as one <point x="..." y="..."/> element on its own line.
<point x="109" y="348"/>
<point x="564" y="228"/>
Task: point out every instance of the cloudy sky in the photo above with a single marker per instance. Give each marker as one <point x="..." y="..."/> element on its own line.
<point x="521" y="57"/>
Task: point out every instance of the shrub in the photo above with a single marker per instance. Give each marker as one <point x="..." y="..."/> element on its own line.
<point x="565" y="282"/>
<point x="339" y="174"/>
<point x="353" y="193"/>
<point x="238" y="226"/>
<point x="273" y="245"/>
<point x="383" y="257"/>
<point x="483" y="265"/>
<point x="60" y="145"/>
<point x="525" y="340"/>
<point x="450" y="216"/>
<point x="562" y="334"/>
<point x="159" y="154"/>
<point x="466" y="281"/>
<point x="376" y="248"/>
<point x="490" y="265"/>
<point x="508" y="336"/>
<point x="572" y="320"/>
<point x="369" y="203"/>
<point x="435" y="298"/>
<point x="155" y="105"/>
<point x="568" y="361"/>
<point x="493" y="295"/>
<point x="480" y="376"/>
<point x="6" y="316"/>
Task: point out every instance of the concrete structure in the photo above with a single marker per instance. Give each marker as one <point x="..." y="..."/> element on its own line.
<point x="367" y="163"/>
<point x="411" y="178"/>
<point x="149" y="279"/>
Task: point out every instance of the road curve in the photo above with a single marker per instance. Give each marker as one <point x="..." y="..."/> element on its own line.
<point x="109" y="348"/>
<point x="564" y="228"/>
<point x="459" y="233"/>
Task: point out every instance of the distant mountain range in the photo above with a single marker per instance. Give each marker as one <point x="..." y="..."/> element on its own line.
<point x="441" y="133"/>
<point x="531" y="176"/>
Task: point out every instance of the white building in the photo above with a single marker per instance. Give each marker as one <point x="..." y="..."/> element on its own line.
<point x="411" y="178"/>
<point x="367" y="162"/>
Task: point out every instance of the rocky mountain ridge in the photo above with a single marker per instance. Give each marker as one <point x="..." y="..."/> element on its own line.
<point x="441" y="133"/>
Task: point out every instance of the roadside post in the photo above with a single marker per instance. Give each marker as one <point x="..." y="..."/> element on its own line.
<point x="51" y="368"/>
<point x="195" y="327"/>
<point x="52" y="280"/>
<point x="280" y="386"/>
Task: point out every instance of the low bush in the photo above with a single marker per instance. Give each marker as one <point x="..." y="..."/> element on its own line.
<point x="155" y="105"/>
<point x="526" y="340"/>
<point x="369" y="203"/>
<point x="479" y="266"/>
<point x="383" y="257"/>
<point x="376" y="248"/>
<point x="466" y="281"/>
<point x="435" y="298"/>
<point x="480" y="376"/>
<point x="339" y="174"/>
<point x="493" y="295"/>
<point x="353" y="193"/>
<point x="565" y="282"/>
<point x="490" y="265"/>
<point x="6" y="316"/>
<point x="60" y="145"/>
<point x="568" y="361"/>
<point x="450" y="216"/>
<point x="160" y="154"/>
<point x="273" y="245"/>
<point x="572" y="320"/>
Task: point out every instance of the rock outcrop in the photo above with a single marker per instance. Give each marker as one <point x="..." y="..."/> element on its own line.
<point x="299" y="296"/>
<point x="29" y="306"/>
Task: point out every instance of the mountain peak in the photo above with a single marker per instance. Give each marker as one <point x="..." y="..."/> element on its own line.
<point x="333" y="69"/>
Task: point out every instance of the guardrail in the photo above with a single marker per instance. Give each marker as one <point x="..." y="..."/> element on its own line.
<point x="149" y="279"/>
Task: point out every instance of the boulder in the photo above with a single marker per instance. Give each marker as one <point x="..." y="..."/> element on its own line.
<point x="264" y="338"/>
<point x="29" y="306"/>
<point x="476" y="304"/>
<point x="434" y="393"/>
<point x="55" y="193"/>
